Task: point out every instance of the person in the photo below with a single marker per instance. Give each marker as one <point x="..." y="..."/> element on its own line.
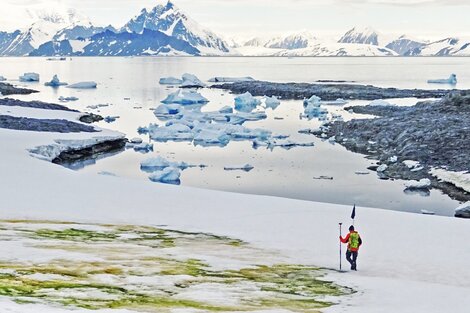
<point x="354" y="241"/>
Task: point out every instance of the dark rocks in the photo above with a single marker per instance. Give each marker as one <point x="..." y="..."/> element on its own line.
<point x="434" y="133"/>
<point x="109" y="146"/>
<point x="328" y="92"/>
<point x="34" y="104"/>
<point x="8" y="89"/>
<point x="43" y="125"/>
<point x="90" y="118"/>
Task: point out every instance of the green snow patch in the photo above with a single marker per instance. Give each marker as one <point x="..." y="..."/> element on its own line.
<point x="150" y="269"/>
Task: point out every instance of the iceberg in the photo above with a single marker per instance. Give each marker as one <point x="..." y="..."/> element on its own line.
<point x="191" y="81"/>
<point x="452" y="80"/>
<point x="83" y="85"/>
<point x="246" y="102"/>
<point x="463" y="210"/>
<point x="316" y="101"/>
<point x="413" y="166"/>
<point x="55" y="82"/>
<point x="271" y="102"/>
<point x="29" y="77"/>
<point x="159" y="163"/>
<point x="231" y="79"/>
<point x="226" y="109"/>
<point x="424" y="183"/>
<point x="170" y="81"/>
<point x="143" y="147"/>
<point x="211" y="137"/>
<point x="67" y="99"/>
<point x="169" y="175"/>
<point x="136" y="140"/>
<point x="185" y="97"/>
<point x="381" y="103"/>
<point x="2" y="78"/>
<point x="246" y="168"/>
<point x="338" y="101"/>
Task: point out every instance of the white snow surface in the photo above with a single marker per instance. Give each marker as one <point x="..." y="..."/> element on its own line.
<point x="409" y="263"/>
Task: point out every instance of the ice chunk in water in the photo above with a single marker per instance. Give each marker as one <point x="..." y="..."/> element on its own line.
<point x="185" y="97"/>
<point x="246" y="102"/>
<point x="246" y="167"/>
<point x="452" y="80"/>
<point x="67" y="99"/>
<point x="190" y="80"/>
<point x="29" y="77"/>
<point x="2" y="78"/>
<point x="83" y="85"/>
<point x="424" y="183"/>
<point x="55" y="82"/>
<point x="169" y="175"/>
<point x="170" y="81"/>
<point x="271" y="102"/>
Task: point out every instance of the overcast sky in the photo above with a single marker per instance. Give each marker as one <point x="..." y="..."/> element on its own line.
<point x="246" y="18"/>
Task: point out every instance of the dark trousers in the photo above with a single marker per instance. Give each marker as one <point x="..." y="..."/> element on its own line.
<point x="352" y="260"/>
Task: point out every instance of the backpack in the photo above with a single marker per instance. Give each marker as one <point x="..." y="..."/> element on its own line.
<point x="354" y="240"/>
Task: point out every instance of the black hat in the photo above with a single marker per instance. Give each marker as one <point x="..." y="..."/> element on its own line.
<point x="351" y="228"/>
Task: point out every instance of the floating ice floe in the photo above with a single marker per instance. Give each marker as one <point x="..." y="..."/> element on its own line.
<point x="110" y="119"/>
<point x="191" y="81"/>
<point x="361" y="173"/>
<point x="271" y="102"/>
<point x="2" y="78"/>
<point x="169" y="175"/>
<point x="67" y="99"/>
<point x="170" y="81"/>
<point x="29" y="77"/>
<point x="381" y="103"/>
<point x="185" y="97"/>
<point x="104" y="173"/>
<point x="463" y="210"/>
<point x="427" y="212"/>
<point x="282" y="143"/>
<point x="97" y="106"/>
<point x="452" y="80"/>
<point x="338" y="101"/>
<point x="231" y="79"/>
<point x="246" y="102"/>
<point x="55" y="82"/>
<point x="312" y="108"/>
<point x="136" y="140"/>
<point x="246" y="168"/>
<point x="159" y="163"/>
<point x="424" y="183"/>
<point x="83" y="85"/>
<point x="142" y="147"/>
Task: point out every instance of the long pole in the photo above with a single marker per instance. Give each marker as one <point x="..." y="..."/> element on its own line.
<point x="340" y="254"/>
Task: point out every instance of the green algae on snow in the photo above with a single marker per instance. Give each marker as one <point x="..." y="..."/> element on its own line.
<point x="150" y="269"/>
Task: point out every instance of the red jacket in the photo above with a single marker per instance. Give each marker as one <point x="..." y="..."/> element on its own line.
<point x="346" y="240"/>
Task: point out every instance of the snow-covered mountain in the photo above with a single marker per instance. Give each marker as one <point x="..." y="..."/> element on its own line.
<point x="367" y="36"/>
<point x="51" y="23"/>
<point x="445" y="47"/>
<point x="166" y="30"/>
<point x="403" y="45"/>
<point x="169" y="19"/>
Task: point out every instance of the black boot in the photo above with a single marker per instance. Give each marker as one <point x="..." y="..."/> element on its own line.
<point x="354" y="266"/>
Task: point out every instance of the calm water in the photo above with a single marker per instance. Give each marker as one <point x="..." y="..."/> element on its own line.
<point x="285" y="173"/>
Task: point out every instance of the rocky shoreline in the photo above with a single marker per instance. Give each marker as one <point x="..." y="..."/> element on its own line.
<point x="434" y="133"/>
<point x="327" y="92"/>
<point x="91" y="152"/>
<point x="8" y="89"/>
